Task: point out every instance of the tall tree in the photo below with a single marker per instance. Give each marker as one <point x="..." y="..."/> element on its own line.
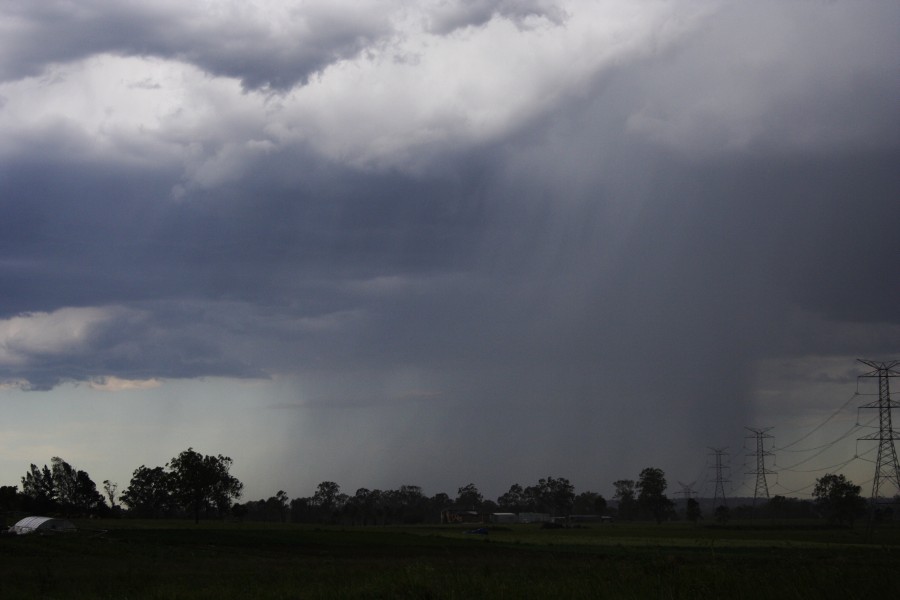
<point x="282" y="502"/>
<point x="363" y="505"/>
<point x="86" y="499"/>
<point x="326" y="495"/>
<point x="625" y="495"/>
<point x="513" y="500"/>
<point x="551" y="495"/>
<point x="692" y="510"/>
<point x="10" y="499"/>
<point x="203" y="482"/>
<point x="838" y="498"/>
<point x="589" y="503"/>
<point x="651" y="487"/>
<point x="61" y="487"/>
<point x="408" y="504"/>
<point x="149" y="494"/>
<point x="469" y="497"/>
<point x="39" y="489"/>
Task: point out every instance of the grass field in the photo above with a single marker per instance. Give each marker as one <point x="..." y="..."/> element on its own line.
<point x="126" y="559"/>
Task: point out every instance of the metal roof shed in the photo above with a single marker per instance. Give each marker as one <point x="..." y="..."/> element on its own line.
<point x="41" y="525"/>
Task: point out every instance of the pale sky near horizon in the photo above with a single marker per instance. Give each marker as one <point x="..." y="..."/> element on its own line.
<point x="449" y="241"/>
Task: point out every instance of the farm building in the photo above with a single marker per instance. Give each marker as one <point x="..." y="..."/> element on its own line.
<point x="504" y="517"/>
<point x="41" y="525"/>
<point x="452" y="515"/>
<point x="526" y="517"/>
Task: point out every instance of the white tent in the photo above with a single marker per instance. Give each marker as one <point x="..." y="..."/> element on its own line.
<point x="41" y="525"/>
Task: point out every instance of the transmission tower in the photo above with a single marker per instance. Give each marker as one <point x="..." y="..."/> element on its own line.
<point x="886" y="465"/>
<point x="720" y="480"/>
<point x="762" y="487"/>
<point x="687" y="490"/>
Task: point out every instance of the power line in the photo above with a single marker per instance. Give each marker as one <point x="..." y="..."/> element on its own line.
<point x="837" y="466"/>
<point x="826" y="444"/>
<point x="819" y="426"/>
<point x="787" y="491"/>
<point x="820" y="452"/>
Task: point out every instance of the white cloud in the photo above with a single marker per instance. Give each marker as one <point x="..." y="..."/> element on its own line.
<point x="66" y="330"/>
<point x="112" y="383"/>
<point x="403" y="100"/>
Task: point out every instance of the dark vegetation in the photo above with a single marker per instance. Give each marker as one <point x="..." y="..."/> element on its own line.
<point x="180" y="532"/>
<point x="131" y="558"/>
<point x="193" y="485"/>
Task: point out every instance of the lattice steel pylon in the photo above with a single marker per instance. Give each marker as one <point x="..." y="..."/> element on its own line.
<point x="886" y="465"/>
<point x="687" y="490"/>
<point x="762" y="487"/>
<point x="720" y="480"/>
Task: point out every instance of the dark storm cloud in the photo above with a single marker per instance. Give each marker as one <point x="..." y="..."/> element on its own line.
<point x="164" y="341"/>
<point x="233" y="287"/>
<point x="615" y="265"/>
<point x="272" y="48"/>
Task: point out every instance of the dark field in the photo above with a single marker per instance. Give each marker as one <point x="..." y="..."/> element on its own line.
<point x="172" y="559"/>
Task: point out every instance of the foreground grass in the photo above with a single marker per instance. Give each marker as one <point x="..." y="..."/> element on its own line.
<point x="163" y="560"/>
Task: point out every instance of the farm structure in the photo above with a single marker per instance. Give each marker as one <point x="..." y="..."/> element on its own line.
<point x="41" y="525"/>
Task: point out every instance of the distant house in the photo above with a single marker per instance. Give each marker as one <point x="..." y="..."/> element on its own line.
<point x="41" y="525"/>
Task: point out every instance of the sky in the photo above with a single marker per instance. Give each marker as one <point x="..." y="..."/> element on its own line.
<point x="448" y="241"/>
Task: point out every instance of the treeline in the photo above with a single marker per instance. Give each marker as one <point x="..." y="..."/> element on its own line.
<point x="190" y="485"/>
<point x="643" y="498"/>
<point x="195" y="485"/>
<point x="409" y="505"/>
<point x="57" y="489"/>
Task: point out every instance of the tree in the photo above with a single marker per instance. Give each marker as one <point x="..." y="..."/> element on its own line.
<point x="589" y="503"/>
<point x="692" y="511"/>
<point x="585" y="503"/>
<point x="468" y="496"/>
<point x="651" y="487"/>
<point x="38" y="489"/>
<point x="203" y="482"/>
<point x="406" y="505"/>
<point x="10" y="499"/>
<point x="626" y="498"/>
<point x="599" y="505"/>
<point x="273" y="509"/>
<point x="282" y="501"/>
<point x="149" y="494"/>
<point x="61" y="487"/>
<point x="326" y="495"/>
<point x="552" y="495"/>
<point x="560" y="495"/>
<point x="65" y="480"/>
<point x="838" y="498"/>
<point x="86" y="499"/>
<point x="328" y="501"/>
<point x="363" y="505"/>
<point x="513" y="500"/>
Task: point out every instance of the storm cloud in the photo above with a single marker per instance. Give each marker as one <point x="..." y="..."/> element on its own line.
<point x="546" y="232"/>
